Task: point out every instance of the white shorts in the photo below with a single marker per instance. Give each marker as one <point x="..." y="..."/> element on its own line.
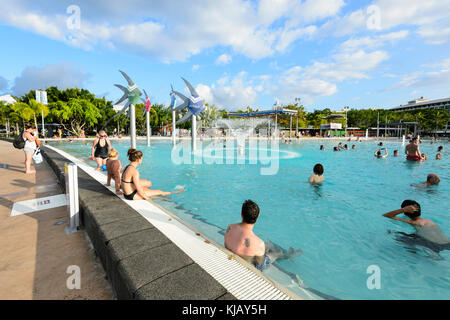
<point x="28" y="150"/>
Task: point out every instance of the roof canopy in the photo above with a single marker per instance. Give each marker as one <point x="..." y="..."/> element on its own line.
<point x="284" y="112"/>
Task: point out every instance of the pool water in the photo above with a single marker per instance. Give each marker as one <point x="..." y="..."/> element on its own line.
<point x="338" y="225"/>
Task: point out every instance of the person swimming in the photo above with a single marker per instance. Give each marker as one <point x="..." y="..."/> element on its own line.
<point x="317" y="177"/>
<point x="428" y="232"/>
<point x="395" y="153"/>
<point x="353" y="146"/>
<point x="378" y="153"/>
<point x="335" y="149"/>
<point x="438" y="156"/>
<point x="322" y="147"/>
<point x="240" y="239"/>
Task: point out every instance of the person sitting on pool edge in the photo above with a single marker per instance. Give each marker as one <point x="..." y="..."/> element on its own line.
<point x="240" y="239"/>
<point x="317" y="177"/>
<point x="379" y="155"/>
<point x="135" y="188"/>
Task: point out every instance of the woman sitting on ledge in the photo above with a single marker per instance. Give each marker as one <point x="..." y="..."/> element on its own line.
<point x="135" y="188"/>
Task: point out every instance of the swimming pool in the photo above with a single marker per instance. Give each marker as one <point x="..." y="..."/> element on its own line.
<point x="339" y="225"/>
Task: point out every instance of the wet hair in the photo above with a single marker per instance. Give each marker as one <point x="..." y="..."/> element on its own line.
<point x="250" y="212"/>
<point x="318" y="169"/>
<point x="134" y="155"/>
<point x="378" y="153"/>
<point x="414" y="139"/>
<point x="433" y="178"/>
<point x="335" y="148"/>
<point x="411" y="203"/>
<point x="380" y="144"/>
<point x="322" y="147"/>
<point x="440" y="148"/>
<point x="353" y="146"/>
<point x="438" y="155"/>
<point x="113" y="152"/>
<point x="345" y="146"/>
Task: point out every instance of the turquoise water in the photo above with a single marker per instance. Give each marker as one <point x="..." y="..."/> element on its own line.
<point x="339" y="225"/>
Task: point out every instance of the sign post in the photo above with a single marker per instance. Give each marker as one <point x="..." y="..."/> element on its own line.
<point x="73" y="208"/>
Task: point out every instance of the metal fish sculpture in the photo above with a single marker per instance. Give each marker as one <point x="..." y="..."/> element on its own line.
<point x="194" y="103"/>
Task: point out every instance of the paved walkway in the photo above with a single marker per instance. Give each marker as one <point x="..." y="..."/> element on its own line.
<point x="34" y="251"/>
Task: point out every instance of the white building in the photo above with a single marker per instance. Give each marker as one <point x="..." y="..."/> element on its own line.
<point x="7" y="99"/>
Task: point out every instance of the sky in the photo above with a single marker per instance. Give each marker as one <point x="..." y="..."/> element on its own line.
<point x="328" y="53"/>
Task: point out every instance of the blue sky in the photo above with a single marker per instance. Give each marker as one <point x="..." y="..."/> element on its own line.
<point x="330" y="53"/>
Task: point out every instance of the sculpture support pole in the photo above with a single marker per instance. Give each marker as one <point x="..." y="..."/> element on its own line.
<point x="174" y="129"/>
<point x="194" y="132"/>
<point x="132" y="126"/>
<point x="147" y="119"/>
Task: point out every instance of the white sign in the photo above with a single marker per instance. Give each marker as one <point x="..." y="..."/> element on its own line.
<point x="41" y="96"/>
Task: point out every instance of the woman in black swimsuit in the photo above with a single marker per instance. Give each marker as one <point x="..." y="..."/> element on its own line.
<point x="135" y="188"/>
<point x="100" y="149"/>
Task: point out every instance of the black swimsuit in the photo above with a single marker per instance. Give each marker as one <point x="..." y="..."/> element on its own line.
<point x="101" y="152"/>
<point x="131" y="195"/>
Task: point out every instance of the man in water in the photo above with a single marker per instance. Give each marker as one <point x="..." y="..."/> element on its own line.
<point x="428" y="232"/>
<point x="317" y="177"/>
<point x="432" y="179"/>
<point x="379" y="155"/>
<point x="438" y="156"/>
<point x="395" y="153"/>
<point x="412" y="151"/>
<point x="240" y="239"/>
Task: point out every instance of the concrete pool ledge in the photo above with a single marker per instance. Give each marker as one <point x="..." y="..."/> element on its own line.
<point x="149" y="253"/>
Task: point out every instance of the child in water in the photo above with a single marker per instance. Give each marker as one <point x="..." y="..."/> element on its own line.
<point x="317" y="177"/>
<point x="113" y="167"/>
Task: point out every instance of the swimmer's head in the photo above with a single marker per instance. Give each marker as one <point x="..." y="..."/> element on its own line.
<point x="433" y="179"/>
<point x="335" y="149"/>
<point x="438" y="156"/>
<point x="378" y="153"/>
<point x="322" y="147"/>
<point x="440" y="148"/>
<point x="411" y="203"/>
<point x="353" y="147"/>
<point x="113" y="153"/>
<point x="250" y="212"/>
<point x="318" y="169"/>
<point x="380" y="144"/>
<point x="396" y="153"/>
<point x="134" y="155"/>
<point x="414" y="140"/>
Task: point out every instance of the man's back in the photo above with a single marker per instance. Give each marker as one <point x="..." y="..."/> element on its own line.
<point x="243" y="242"/>
<point x="412" y="149"/>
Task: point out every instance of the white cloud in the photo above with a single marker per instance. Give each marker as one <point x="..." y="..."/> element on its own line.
<point x="63" y="75"/>
<point x="3" y="84"/>
<point x="237" y="94"/>
<point x="195" y="67"/>
<point x="223" y="59"/>
<point x="417" y="79"/>
<point x="171" y="30"/>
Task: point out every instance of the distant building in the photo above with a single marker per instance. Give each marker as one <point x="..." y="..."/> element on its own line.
<point x="424" y="104"/>
<point x="7" y="99"/>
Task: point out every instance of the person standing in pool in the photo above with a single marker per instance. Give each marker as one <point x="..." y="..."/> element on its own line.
<point x="438" y="156"/>
<point x="135" y="188"/>
<point x="426" y="229"/>
<point x="395" y="153"/>
<point x="412" y="150"/>
<point x="100" y="149"/>
<point x="240" y="239"/>
<point x="317" y="177"/>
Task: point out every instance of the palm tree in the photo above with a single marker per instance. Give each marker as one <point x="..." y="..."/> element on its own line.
<point x="23" y="111"/>
<point x="38" y="108"/>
